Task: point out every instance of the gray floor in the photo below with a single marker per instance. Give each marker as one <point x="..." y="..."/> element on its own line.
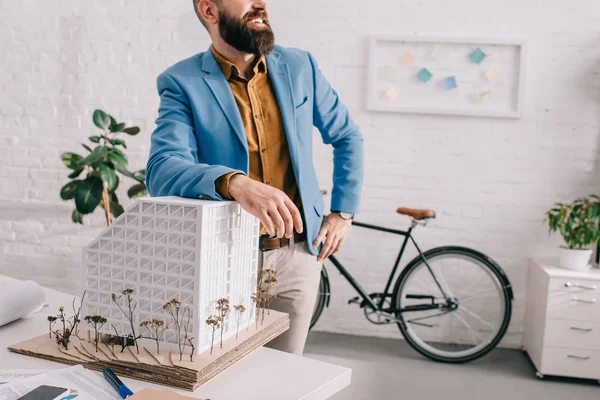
<point x="390" y="369"/>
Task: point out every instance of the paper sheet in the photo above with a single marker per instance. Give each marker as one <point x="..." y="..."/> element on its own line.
<point x="11" y="375"/>
<point x="82" y="382"/>
<point x="20" y="299"/>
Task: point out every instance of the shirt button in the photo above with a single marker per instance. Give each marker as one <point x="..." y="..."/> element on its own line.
<point x="250" y="85"/>
<point x="268" y="182"/>
<point x="264" y="150"/>
<point x="257" y="116"/>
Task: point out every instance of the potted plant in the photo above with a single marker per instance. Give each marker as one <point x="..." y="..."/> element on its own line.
<point x="100" y="181"/>
<point x="578" y="224"/>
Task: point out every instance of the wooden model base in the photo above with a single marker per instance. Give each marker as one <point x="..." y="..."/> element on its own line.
<point x="164" y="368"/>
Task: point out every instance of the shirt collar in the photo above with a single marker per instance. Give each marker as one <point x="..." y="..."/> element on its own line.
<point x="229" y="69"/>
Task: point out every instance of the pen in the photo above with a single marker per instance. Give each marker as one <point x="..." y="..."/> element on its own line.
<point x="119" y="386"/>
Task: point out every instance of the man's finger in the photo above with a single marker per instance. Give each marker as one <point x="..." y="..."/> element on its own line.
<point x="296" y="216"/>
<point x="333" y="247"/>
<point x="327" y="246"/>
<point x="278" y="221"/>
<point x="320" y="237"/>
<point x="338" y="245"/>
<point x="287" y="219"/>
<point x="267" y="223"/>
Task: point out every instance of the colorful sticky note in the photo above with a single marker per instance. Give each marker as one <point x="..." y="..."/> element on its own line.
<point x="449" y="83"/>
<point x="392" y="93"/>
<point x="492" y="74"/>
<point x="424" y="75"/>
<point x="438" y="53"/>
<point x="408" y="58"/>
<point x="388" y="73"/>
<point x="479" y="97"/>
<point x="477" y="56"/>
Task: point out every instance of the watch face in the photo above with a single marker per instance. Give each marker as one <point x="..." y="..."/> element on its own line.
<point x="346" y="215"/>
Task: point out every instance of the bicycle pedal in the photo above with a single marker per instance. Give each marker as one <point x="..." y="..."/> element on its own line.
<point x="354" y="300"/>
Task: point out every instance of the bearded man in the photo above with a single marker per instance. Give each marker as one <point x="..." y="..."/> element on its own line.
<point x="236" y="123"/>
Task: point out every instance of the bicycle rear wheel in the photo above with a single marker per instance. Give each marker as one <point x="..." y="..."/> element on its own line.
<point x="469" y="323"/>
<point x="322" y="298"/>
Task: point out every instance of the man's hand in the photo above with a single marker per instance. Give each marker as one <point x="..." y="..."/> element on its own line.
<point x="278" y="214"/>
<point x="334" y="232"/>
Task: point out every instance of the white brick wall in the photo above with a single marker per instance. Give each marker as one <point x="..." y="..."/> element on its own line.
<point x="490" y="180"/>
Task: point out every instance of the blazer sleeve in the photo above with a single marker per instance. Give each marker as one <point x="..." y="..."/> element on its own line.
<point x="333" y="121"/>
<point x="173" y="168"/>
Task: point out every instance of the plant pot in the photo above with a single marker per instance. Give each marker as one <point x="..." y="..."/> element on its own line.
<point x="575" y="259"/>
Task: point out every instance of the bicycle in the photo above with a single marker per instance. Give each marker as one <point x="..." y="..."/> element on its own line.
<point x="452" y="304"/>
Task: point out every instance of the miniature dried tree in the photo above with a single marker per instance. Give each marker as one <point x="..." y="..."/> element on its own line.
<point x="187" y="331"/>
<point x="156" y="328"/>
<point x="256" y="302"/>
<point x="69" y="324"/>
<point x="129" y="312"/>
<point x="51" y="320"/>
<point x="173" y="308"/>
<point x="223" y="310"/>
<point x="269" y="279"/>
<point x="214" y="321"/>
<point x="97" y="322"/>
<point x="74" y="320"/>
<point x="118" y="339"/>
<point x="239" y="310"/>
<point x="263" y="296"/>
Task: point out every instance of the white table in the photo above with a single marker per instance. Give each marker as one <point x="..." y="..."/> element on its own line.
<point x="264" y="374"/>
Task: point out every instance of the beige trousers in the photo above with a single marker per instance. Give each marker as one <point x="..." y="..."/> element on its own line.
<point x="298" y="276"/>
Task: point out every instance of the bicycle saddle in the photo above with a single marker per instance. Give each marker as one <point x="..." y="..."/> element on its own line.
<point x="415" y="213"/>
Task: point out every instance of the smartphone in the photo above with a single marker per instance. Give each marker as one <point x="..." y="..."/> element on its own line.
<point x="44" y="392"/>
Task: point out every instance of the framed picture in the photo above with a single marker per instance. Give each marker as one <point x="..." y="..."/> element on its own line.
<point x="450" y="76"/>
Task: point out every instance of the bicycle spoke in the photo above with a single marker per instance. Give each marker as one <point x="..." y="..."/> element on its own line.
<point x="475" y="316"/>
<point x="472" y="331"/>
<point x="474" y="296"/>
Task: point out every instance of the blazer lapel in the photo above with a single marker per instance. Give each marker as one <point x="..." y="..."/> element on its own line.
<point x="280" y="78"/>
<point x="220" y="89"/>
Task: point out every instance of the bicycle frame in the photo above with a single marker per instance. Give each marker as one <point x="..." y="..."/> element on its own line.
<point x="366" y="297"/>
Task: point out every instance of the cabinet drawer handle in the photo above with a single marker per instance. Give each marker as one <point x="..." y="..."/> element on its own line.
<point x="577" y="285"/>
<point x="576" y="328"/>
<point x="578" y="357"/>
<point x="584" y="301"/>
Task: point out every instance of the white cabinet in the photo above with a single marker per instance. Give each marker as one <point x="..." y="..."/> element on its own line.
<point x="562" y="321"/>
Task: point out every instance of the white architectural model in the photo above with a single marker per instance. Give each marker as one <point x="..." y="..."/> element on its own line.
<point x="171" y="247"/>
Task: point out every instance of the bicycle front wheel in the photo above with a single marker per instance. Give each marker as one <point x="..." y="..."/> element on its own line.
<point x="473" y="301"/>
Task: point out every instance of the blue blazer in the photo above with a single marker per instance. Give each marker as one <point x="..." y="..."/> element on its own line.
<point x="200" y="136"/>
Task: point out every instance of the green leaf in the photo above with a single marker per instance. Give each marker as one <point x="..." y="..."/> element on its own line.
<point x="89" y="194"/>
<point x="140" y="175"/>
<point x="118" y="159"/>
<point x="68" y="191"/>
<point x="137" y="190"/>
<point x="86" y="147"/>
<point x="94" y="139"/>
<point x="107" y="174"/>
<point x="94" y="157"/>
<point x="71" y="160"/>
<point x="113" y="122"/>
<point x="117" y="127"/>
<point x="117" y="142"/>
<point x="116" y="209"/>
<point x="77" y="217"/>
<point x="133" y="130"/>
<point x="101" y="120"/>
<point x="76" y="173"/>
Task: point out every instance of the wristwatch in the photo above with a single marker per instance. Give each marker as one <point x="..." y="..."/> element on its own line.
<point x="344" y="215"/>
